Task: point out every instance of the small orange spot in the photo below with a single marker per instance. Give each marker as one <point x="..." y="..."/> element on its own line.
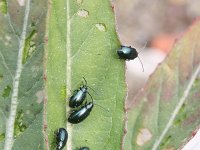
<point x="164" y="42"/>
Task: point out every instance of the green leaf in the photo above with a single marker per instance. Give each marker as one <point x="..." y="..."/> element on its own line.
<point x="6" y="91"/>
<point x="167" y="110"/>
<point x="3" y="6"/>
<point x="82" y="42"/>
<point x="21" y="80"/>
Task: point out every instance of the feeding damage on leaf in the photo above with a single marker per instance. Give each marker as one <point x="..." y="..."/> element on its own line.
<point x="143" y="136"/>
<point x="30" y="46"/>
<point x="169" y="104"/>
<point x="21" y="70"/>
<point x="82" y="42"/>
<point x="20" y="127"/>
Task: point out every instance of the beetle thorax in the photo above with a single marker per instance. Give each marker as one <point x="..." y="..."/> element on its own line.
<point x="89" y="105"/>
<point x="83" y="89"/>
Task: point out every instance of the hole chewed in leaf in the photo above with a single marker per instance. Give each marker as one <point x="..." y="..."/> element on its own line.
<point x="101" y="27"/>
<point x="143" y="136"/>
<point x="83" y="13"/>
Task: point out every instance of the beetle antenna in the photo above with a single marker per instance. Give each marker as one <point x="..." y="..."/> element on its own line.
<point x="102" y="107"/>
<point x="95" y="103"/>
<point x="90" y="96"/>
<point x="85" y="81"/>
<point x="92" y="90"/>
<point x="141" y="63"/>
<point x="143" y="47"/>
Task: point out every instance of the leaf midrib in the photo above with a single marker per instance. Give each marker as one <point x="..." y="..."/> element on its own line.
<point x="14" y="98"/>
<point x="68" y="73"/>
<point x="177" y="108"/>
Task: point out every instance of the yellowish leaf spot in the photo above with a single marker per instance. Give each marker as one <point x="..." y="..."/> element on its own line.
<point x="21" y="2"/>
<point x="101" y="27"/>
<point x="40" y="95"/>
<point x="35" y="70"/>
<point x="143" y="137"/>
<point x="28" y="112"/>
<point x="7" y="40"/>
<point x="83" y="13"/>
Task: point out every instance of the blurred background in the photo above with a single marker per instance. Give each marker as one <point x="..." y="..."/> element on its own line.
<point x="155" y="22"/>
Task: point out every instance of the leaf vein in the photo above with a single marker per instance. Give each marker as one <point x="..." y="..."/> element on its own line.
<point x="14" y="99"/>
<point x="178" y="107"/>
<point x="68" y="72"/>
<point x="5" y="65"/>
<point x="78" y="51"/>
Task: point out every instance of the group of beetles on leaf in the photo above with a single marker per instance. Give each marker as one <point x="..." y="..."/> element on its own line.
<point x="78" y="97"/>
<point x="77" y="115"/>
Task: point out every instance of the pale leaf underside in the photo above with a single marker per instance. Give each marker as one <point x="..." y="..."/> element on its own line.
<point x="166" y="112"/>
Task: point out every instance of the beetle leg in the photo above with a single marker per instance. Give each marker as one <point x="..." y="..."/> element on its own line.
<point x="90" y="96"/>
<point x="85" y="81"/>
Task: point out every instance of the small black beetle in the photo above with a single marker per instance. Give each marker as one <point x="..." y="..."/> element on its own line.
<point x="81" y="114"/>
<point x="84" y="148"/>
<point x="61" y="138"/>
<point x="128" y="53"/>
<point x="79" y="96"/>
